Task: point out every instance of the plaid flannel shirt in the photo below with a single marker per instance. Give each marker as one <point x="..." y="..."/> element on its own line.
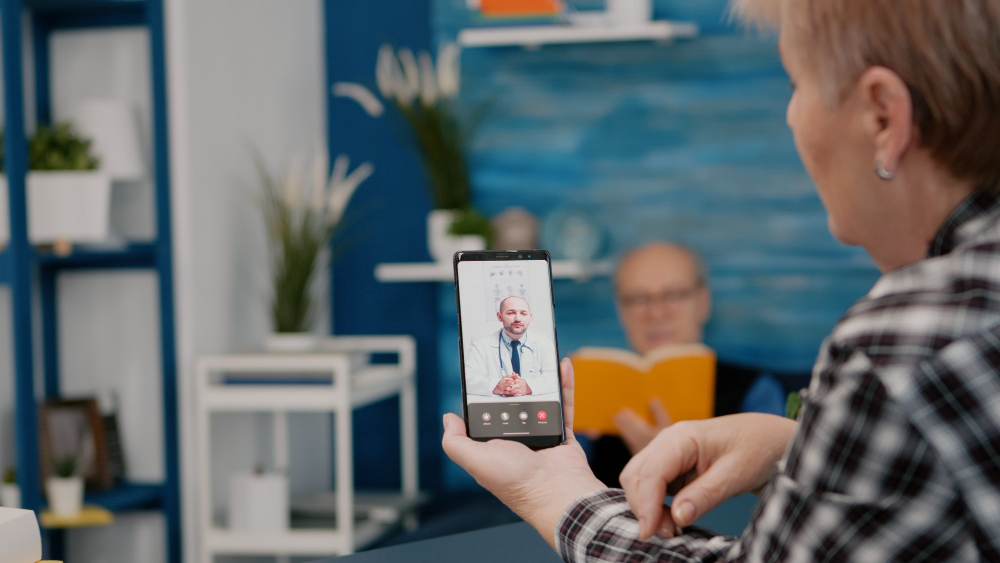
<point x="897" y="455"/>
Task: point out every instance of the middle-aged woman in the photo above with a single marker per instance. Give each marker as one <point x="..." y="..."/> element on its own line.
<point x="896" y="455"/>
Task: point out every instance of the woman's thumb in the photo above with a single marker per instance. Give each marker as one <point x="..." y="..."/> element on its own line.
<point x="703" y="494"/>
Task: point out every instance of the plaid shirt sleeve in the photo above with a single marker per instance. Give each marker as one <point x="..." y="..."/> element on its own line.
<point x="858" y="483"/>
<point x="897" y="456"/>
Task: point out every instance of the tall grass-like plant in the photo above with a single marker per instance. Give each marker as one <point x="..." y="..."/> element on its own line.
<point x="302" y="211"/>
<point x="425" y="92"/>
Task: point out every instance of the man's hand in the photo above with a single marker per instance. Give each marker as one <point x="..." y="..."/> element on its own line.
<point x="703" y="463"/>
<point x="537" y="485"/>
<point x="518" y="387"/>
<point x="503" y="387"/>
<point x="635" y="431"/>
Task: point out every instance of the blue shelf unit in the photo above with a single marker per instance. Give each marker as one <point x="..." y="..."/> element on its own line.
<point x="21" y="265"/>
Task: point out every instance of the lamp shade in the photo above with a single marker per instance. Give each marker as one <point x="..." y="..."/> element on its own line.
<point x="113" y="126"/>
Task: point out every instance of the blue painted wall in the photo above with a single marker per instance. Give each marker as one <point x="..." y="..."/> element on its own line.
<point x="387" y="218"/>
<point x="684" y="142"/>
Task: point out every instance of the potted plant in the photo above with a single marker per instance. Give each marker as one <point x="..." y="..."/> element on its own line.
<point x="301" y="216"/>
<point x="65" y="487"/>
<point x="68" y="200"/>
<point x="10" y="493"/>
<point x="425" y="95"/>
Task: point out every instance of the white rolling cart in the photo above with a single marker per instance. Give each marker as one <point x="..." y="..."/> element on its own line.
<point x="336" y="377"/>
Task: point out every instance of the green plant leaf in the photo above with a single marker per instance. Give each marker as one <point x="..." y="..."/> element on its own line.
<point x="59" y="148"/>
<point x="468" y="221"/>
<point x="65" y="466"/>
<point x="793" y="405"/>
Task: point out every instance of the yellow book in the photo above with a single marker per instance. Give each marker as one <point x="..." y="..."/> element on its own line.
<point x="610" y="379"/>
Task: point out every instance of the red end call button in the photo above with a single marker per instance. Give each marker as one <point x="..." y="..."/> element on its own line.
<point x="542" y="415"/>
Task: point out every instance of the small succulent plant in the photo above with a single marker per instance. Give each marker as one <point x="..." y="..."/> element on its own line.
<point x="65" y="466"/>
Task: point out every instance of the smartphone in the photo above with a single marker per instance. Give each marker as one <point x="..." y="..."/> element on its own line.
<point x="511" y="384"/>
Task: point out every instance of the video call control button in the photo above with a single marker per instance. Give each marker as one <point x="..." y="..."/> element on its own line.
<point x="523" y="415"/>
<point x="486" y="417"/>
<point x="504" y="416"/>
<point x="542" y="415"/>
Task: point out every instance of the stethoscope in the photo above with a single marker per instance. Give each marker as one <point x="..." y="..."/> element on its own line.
<point x="503" y="370"/>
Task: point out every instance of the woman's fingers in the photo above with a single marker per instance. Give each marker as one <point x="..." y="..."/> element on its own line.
<point x="667" y="528"/>
<point x="455" y="442"/>
<point x="568" y="387"/>
<point x="704" y="493"/>
<point x="647" y="475"/>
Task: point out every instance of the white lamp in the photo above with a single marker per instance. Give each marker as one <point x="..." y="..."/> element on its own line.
<point x="19" y="536"/>
<point x="113" y="125"/>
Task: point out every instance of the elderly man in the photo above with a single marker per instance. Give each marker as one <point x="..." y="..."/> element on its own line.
<point x="509" y="362"/>
<point x="663" y="299"/>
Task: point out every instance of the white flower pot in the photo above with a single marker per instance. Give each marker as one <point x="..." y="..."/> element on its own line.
<point x="10" y="496"/>
<point x="65" y="495"/>
<point x="63" y="206"/>
<point x="258" y="503"/>
<point x="291" y="342"/>
<point x="441" y="244"/>
<point x="630" y="13"/>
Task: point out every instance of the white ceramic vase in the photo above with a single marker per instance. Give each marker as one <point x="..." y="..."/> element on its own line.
<point x="65" y="495"/>
<point x="441" y="244"/>
<point x="258" y="503"/>
<point x="630" y="13"/>
<point x="10" y="495"/>
<point x="290" y="342"/>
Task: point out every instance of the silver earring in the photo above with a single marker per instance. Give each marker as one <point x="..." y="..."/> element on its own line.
<point x="881" y="172"/>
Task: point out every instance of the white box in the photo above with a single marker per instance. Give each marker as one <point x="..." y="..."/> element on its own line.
<point x="19" y="537"/>
<point x="258" y="503"/>
<point x="63" y="206"/>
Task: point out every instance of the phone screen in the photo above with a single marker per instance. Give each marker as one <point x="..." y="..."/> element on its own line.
<point x="510" y="359"/>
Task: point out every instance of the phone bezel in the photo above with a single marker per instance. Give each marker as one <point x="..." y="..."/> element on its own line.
<point x="533" y="442"/>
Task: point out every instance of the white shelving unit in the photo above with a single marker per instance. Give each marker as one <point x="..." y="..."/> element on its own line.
<point x="533" y="37"/>
<point x="443" y="271"/>
<point x="336" y="378"/>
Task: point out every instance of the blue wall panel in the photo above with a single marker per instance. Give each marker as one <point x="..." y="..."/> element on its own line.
<point x="684" y="142"/>
<point x="387" y="224"/>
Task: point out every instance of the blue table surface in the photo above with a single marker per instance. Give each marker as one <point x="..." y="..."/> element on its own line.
<point x="501" y="544"/>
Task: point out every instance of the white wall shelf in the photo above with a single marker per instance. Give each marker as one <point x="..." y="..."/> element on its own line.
<point x="443" y="271"/>
<point x="333" y="378"/>
<point x="533" y="37"/>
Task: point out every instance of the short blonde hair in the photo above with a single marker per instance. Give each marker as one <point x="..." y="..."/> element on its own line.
<point x="946" y="51"/>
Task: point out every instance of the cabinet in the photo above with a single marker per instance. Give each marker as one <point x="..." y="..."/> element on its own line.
<point x="27" y="270"/>
<point x="336" y="378"/>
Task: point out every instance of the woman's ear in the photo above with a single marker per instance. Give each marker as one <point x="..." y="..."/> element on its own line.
<point x="887" y="115"/>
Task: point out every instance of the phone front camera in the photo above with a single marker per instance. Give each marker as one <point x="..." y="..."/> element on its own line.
<point x="520" y="256"/>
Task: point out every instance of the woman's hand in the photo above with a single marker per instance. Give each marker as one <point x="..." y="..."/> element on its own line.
<point x="537" y="485"/>
<point x="703" y="462"/>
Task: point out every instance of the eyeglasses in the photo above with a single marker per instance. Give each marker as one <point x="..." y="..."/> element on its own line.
<point x="637" y="302"/>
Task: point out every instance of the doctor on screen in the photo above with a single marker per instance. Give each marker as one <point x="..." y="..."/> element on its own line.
<point x="512" y="362"/>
